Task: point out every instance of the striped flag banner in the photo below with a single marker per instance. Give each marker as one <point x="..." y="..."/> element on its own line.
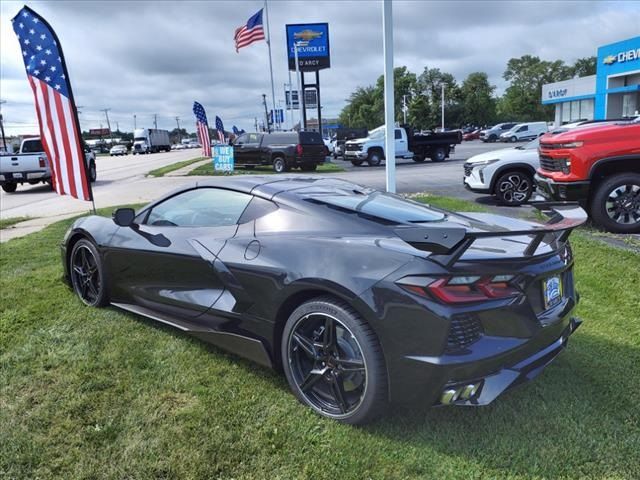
<point x="252" y="31"/>
<point x="202" y="126"/>
<point x="57" y="116"/>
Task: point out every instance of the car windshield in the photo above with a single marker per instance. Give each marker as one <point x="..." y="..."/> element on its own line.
<point x="377" y="133"/>
<point x="532" y="145"/>
<point x="384" y="206"/>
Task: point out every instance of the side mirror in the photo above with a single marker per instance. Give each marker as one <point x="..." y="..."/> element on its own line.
<point x="124" y="217"/>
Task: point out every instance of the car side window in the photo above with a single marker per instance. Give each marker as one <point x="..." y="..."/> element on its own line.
<point x="398" y="134"/>
<point x="253" y="138"/>
<point x="200" y="207"/>
<point x="523" y="128"/>
<point x="241" y="139"/>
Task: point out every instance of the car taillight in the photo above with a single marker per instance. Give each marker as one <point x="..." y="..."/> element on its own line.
<point x="41" y="162"/>
<point x="299" y="150"/>
<point x="462" y="289"/>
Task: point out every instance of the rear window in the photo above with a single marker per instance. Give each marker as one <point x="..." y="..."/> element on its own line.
<point x="32" y="146"/>
<point x="383" y="206"/>
<point x="311" y="138"/>
<point x="280" y="139"/>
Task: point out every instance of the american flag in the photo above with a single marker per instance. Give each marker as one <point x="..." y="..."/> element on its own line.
<point x="220" y="129"/>
<point x="253" y="31"/>
<point x="55" y="108"/>
<point x="203" y="129"/>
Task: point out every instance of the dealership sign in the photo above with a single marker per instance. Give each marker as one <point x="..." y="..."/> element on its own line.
<point x="621" y="57"/>
<point x="99" y="131"/>
<point x="312" y="40"/>
<point x="558" y="93"/>
<point x="223" y="160"/>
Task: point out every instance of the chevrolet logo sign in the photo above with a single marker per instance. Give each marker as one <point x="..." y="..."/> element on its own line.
<point x="307" y="35"/>
<point x="609" y="60"/>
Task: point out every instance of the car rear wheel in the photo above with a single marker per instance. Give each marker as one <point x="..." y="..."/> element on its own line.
<point x="356" y="163"/>
<point x="418" y="158"/>
<point x="9" y="187"/>
<point x="309" y="168"/>
<point x="279" y="165"/>
<point x="439" y="155"/>
<point x="87" y="274"/>
<point x="514" y="188"/>
<point x="616" y="203"/>
<point x="333" y="361"/>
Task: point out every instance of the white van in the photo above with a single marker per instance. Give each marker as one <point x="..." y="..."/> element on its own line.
<point x="524" y="131"/>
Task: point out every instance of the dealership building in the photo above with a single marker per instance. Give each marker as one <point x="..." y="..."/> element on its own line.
<point x="613" y="92"/>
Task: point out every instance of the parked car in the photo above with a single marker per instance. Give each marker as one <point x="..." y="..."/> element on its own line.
<point x="472" y="135"/>
<point x="117" y="150"/>
<point x="507" y="173"/>
<point x="408" y="144"/>
<point x="597" y="165"/>
<point x="345" y="134"/>
<point x="492" y="134"/>
<point x="282" y="150"/>
<point x="361" y="297"/>
<point x="30" y="165"/>
<point x="524" y="132"/>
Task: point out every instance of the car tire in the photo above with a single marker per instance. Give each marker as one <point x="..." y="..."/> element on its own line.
<point x="93" y="174"/>
<point x="513" y="139"/>
<point x="439" y="155"/>
<point x="616" y="203"/>
<point x="418" y="158"/>
<point x="309" y="168"/>
<point x="514" y="188"/>
<point x="249" y="167"/>
<point x="374" y="158"/>
<point x="9" y="187"/>
<point x="492" y="138"/>
<point x="280" y="165"/>
<point x="356" y="163"/>
<point x="317" y="371"/>
<point x="87" y="274"/>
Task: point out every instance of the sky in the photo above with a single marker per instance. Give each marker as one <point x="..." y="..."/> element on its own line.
<point x="157" y="57"/>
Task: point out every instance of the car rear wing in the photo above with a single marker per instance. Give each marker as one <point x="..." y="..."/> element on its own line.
<point x="447" y="245"/>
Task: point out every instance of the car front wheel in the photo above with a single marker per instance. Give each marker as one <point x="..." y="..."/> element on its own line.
<point x="616" y="203"/>
<point x="87" y="274"/>
<point x="513" y="139"/>
<point x="93" y="174"/>
<point x="309" y="168"/>
<point x="514" y="188"/>
<point x="333" y="361"/>
<point x="374" y="159"/>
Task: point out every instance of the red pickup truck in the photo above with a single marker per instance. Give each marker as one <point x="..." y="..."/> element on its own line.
<point x="599" y="166"/>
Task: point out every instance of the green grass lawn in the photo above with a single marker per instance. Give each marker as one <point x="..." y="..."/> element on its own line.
<point x="99" y="393"/>
<point x="207" y="169"/>
<point x="9" y="222"/>
<point x="162" y="171"/>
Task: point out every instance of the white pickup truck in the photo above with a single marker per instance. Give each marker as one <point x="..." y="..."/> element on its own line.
<point x="31" y="165"/>
<point x="417" y="146"/>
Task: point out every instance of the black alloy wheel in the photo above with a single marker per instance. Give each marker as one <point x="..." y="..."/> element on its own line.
<point x="9" y="187"/>
<point x="514" y="188"/>
<point x="616" y="203"/>
<point x="333" y="362"/>
<point x="279" y="165"/>
<point x="439" y="155"/>
<point x="87" y="276"/>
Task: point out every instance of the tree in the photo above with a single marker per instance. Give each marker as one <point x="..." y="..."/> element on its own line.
<point x="430" y="84"/>
<point x="363" y="109"/>
<point x="527" y="74"/>
<point x="583" y="67"/>
<point x="476" y="98"/>
<point x="419" y="114"/>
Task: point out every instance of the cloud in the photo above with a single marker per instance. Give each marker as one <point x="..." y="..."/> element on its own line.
<point x="148" y="58"/>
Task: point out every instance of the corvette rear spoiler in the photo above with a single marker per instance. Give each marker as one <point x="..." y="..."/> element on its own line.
<point x="450" y="243"/>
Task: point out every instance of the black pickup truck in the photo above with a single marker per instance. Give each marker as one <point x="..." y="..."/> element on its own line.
<point x="282" y="150"/>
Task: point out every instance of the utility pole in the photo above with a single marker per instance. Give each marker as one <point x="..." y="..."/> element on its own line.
<point x="4" y="140"/>
<point x="442" y="106"/>
<point x="106" y="114"/>
<point x="117" y="127"/>
<point x="255" y="122"/>
<point x="179" y="132"/>
<point x="404" y="108"/>
<point x="155" y="121"/>
<point x="389" y="114"/>
<point x="134" y="122"/>
<point x="266" y="113"/>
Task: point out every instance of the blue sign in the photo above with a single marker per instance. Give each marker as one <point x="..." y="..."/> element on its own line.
<point x="223" y="158"/>
<point x="313" y="46"/>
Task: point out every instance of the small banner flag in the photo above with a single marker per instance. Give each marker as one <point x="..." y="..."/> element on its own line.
<point x="203" y="129"/>
<point x="220" y="129"/>
<point x="57" y="115"/>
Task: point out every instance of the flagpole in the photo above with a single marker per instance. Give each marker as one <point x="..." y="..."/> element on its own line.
<point x="273" y="90"/>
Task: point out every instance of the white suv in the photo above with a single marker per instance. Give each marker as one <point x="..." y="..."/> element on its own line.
<point x="506" y="173"/>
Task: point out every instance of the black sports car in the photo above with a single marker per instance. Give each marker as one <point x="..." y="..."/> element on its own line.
<point x="361" y="297"/>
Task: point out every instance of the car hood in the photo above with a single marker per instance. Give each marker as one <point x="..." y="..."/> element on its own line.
<point x="514" y="154"/>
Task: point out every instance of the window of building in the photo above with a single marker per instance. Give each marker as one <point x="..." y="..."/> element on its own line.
<point x="566" y="112"/>
<point x="575" y="110"/>
<point x="586" y="109"/>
